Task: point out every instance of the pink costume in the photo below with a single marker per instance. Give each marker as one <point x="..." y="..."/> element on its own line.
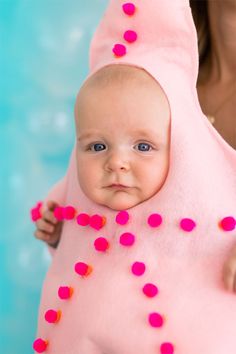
<point x="149" y="284"/>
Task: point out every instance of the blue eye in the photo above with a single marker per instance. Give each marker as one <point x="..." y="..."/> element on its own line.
<point x="144" y="147"/>
<point x="98" y="147"/>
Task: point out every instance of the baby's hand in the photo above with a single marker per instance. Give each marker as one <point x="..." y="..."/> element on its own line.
<point x="48" y="228"/>
<point x="229" y="272"/>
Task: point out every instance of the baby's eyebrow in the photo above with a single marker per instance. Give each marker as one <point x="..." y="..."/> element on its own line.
<point x="86" y="136"/>
<point x="145" y="134"/>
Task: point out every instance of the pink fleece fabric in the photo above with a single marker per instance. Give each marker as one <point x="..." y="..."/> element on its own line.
<point x="178" y="298"/>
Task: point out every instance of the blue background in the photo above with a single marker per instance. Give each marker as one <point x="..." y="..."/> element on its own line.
<point x="43" y="60"/>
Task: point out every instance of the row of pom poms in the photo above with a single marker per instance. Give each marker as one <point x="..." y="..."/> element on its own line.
<point x="84" y="270"/>
<point x="155" y="319"/>
<point x="130" y="36"/>
<point x="96" y="221"/>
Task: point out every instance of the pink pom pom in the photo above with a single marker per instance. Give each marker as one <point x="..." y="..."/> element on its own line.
<point x="65" y="292"/>
<point x="155" y="220"/>
<point x="40" y="345"/>
<point x="127" y="239"/>
<point x="97" y="221"/>
<point x="167" y="348"/>
<point x="228" y="223"/>
<point x="150" y="290"/>
<point x="119" y="50"/>
<point x="59" y="213"/>
<point x="69" y="212"/>
<point x="187" y="224"/>
<point x="155" y="319"/>
<point x="52" y="316"/>
<point x="122" y="217"/>
<point x="83" y="219"/>
<point x="35" y="212"/>
<point x="138" y="268"/>
<point x="83" y="269"/>
<point x="101" y="244"/>
<point x="129" y="8"/>
<point x="130" y="36"/>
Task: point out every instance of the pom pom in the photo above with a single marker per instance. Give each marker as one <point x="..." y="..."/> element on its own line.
<point x="83" y="219"/>
<point x="150" y="290"/>
<point x="167" y="348"/>
<point x="83" y="269"/>
<point x="122" y="217"/>
<point x="119" y="50"/>
<point x="187" y="224"/>
<point x="130" y="36"/>
<point x="97" y="221"/>
<point x="69" y="212"/>
<point x="59" y="213"/>
<point x="52" y="316"/>
<point x="138" y="268"/>
<point x="65" y="292"/>
<point x="155" y="220"/>
<point x="155" y="319"/>
<point x="228" y="223"/>
<point x="35" y="212"/>
<point x="101" y="244"/>
<point x="129" y="8"/>
<point x="127" y="239"/>
<point x="40" y="345"/>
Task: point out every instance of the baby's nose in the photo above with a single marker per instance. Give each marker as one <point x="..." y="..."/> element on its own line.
<point x="117" y="162"/>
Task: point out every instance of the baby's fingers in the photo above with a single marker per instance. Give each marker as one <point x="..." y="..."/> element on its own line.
<point x="45" y="226"/>
<point x="49" y="216"/>
<point x="41" y="235"/>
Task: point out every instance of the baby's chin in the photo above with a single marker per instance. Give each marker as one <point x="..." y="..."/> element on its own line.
<point x="120" y="201"/>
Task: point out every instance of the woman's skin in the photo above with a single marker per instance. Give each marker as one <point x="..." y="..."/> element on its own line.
<point x="217" y="75"/>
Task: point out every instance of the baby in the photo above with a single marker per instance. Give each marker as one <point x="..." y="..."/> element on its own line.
<point x="138" y="259"/>
<point x="122" y="121"/>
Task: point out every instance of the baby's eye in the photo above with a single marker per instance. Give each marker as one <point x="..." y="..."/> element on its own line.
<point x="144" y="147"/>
<point x="97" y="147"/>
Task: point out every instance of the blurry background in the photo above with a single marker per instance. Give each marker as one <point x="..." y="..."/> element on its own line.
<point x="43" y="60"/>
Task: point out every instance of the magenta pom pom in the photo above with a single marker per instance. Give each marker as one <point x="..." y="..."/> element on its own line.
<point x="69" y="212"/>
<point x="35" y="212"/>
<point x="65" y="292"/>
<point x="97" y="221"/>
<point x="228" y="223"/>
<point x="59" y="213"/>
<point x="155" y="220"/>
<point x="122" y="217"/>
<point x="129" y="8"/>
<point x="119" y="50"/>
<point x="127" y="239"/>
<point x="101" y="244"/>
<point x="138" y="268"/>
<point x="150" y="290"/>
<point x="155" y="319"/>
<point x="130" y="36"/>
<point x="52" y="316"/>
<point x="187" y="224"/>
<point x="167" y="348"/>
<point x="83" y="219"/>
<point x="40" y="345"/>
<point x="81" y="268"/>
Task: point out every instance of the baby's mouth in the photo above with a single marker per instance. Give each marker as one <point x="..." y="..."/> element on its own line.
<point x="116" y="185"/>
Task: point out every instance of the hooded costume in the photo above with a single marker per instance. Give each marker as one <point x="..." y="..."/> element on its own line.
<point x="148" y="280"/>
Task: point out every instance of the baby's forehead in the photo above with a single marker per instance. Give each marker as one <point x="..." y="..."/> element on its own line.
<point x="118" y="87"/>
<point x="121" y="76"/>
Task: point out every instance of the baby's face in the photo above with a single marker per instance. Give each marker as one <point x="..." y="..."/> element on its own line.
<point x="123" y="142"/>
